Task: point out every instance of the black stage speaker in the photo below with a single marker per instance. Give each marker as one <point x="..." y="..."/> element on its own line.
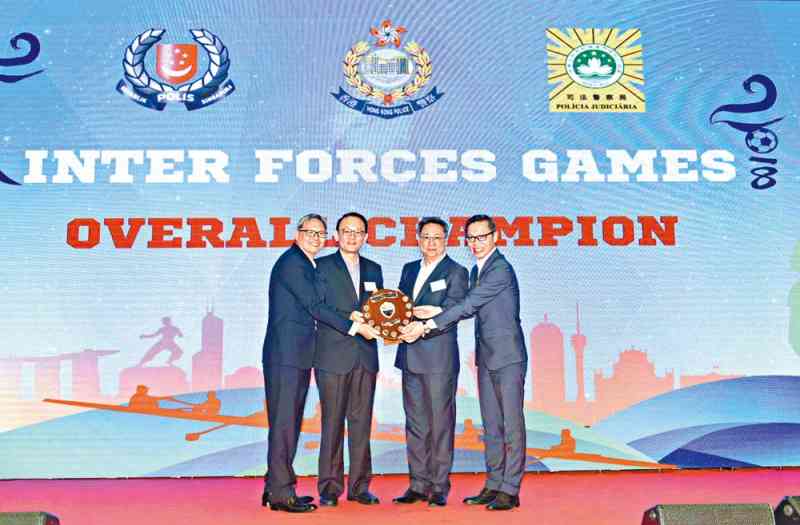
<point x="721" y="514"/>
<point x="788" y="511"/>
<point x="27" y="518"/>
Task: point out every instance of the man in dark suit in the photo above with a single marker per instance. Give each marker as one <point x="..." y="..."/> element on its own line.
<point x="295" y="309"/>
<point x="346" y="368"/>
<point x="430" y="368"/>
<point x="501" y="358"/>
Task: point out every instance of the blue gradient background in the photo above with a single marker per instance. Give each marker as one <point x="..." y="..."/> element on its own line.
<point x="717" y="298"/>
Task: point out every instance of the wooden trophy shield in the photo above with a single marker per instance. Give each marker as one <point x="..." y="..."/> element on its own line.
<point x="386" y="311"/>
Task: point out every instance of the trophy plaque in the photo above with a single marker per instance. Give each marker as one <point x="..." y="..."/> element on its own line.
<point x="386" y="311"/>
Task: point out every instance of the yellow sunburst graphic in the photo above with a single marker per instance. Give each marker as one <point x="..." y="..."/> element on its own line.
<point x="594" y="70"/>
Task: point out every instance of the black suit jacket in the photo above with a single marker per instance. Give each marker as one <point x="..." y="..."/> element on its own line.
<point x="339" y="352"/>
<point x="436" y="352"/>
<point x="493" y="299"/>
<point x="294" y="303"/>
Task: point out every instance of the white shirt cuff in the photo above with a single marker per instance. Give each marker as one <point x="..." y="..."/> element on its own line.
<point x="430" y="325"/>
<point x="354" y="328"/>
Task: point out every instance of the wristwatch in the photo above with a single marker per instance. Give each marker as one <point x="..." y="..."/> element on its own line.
<point x="425" y="329"/>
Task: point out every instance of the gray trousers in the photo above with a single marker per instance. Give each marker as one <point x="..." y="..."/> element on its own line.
<point x="343" y="397"/>
<point x="429" y="401"/>
<point x="501" y="393"/>
<point x="286" y="389"/>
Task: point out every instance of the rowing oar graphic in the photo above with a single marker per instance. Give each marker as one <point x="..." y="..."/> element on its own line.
<point x="194" y="436"/>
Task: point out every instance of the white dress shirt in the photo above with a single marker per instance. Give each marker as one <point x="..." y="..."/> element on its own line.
<point x="480" y="262"/>
<point x="354" y="269"/>
<point x="425" y="271"/>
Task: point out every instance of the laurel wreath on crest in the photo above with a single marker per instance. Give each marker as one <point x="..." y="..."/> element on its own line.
<point x="136" y="73"/>
<point x="353" y="78"/>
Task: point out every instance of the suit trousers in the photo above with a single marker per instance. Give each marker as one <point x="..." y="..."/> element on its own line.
<point x="429" y="401"/>
<point x="286" y="388"/>
<point x="347" y="396"/>
<point x="501" y="393"/>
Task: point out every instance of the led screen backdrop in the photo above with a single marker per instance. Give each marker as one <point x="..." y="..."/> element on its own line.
<point x="639" y="157"/>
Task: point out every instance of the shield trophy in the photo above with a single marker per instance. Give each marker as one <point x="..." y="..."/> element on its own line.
<point x="386" y="311"/>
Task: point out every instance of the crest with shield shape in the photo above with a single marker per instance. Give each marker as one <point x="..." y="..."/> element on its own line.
<point x="176" y="63"/>
<point x="387" y="311"/>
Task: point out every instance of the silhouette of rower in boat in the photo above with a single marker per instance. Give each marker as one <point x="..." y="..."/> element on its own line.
<point x="567" y="445"/>
<point x="470" y="438"/>
<point x="210" y="407"/>
<point x="142" y="400"/>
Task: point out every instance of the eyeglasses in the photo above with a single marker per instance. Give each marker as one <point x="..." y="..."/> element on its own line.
<point x="352" y="233"/>
<point x="482" y="239"/>
<point x="432" y="238"/>
<point x="314" y="234"/>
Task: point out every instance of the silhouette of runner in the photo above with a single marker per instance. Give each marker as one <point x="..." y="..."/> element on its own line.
<point x="168" y="332"/>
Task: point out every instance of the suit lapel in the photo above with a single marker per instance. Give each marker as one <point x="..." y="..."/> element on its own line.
<point x="473" y="282"/>
<point x="489" y="262"/>
<point x="435" y="275"/>
<point x="411" y="278"/>
<point x="345" y="274"/>
<point x="362" y="276"/>
<point x="300" y="253"/>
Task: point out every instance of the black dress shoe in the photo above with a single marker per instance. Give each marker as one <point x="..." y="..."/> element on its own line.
<point x="484" y="498"/>
<point x="411" y="496"/>
<point x="365" y="498"/>
<point x="305" y="500"/>
<point x="503" y="501"/>
<point x="437" y="500"/>
<point x="293" y="505"/>
<point x="328" y="500"/>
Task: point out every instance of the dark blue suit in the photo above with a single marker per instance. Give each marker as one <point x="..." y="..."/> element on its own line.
<point x="337" y="352"/>
<point x="501" y="357"/>
<point x="295" y="307"/>
<point x="430" y="368"/>
<point x="346" y="369"/>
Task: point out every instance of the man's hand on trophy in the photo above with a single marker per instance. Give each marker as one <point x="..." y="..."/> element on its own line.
<point x="367" y="332"/>
<point x="426" y="311"/>
<point x="357" y="316"/>
<point x="373" y="331"/>
<point x="411" y="332"/>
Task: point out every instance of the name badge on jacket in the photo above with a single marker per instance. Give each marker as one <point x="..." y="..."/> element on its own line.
<point x="370" y="286"/>
<point x="441" y="284"/>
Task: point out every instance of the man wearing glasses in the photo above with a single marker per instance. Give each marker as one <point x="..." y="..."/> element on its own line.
<point x="501" y="357"/>
<point x="430" y="368"/>
<point x="346" y="367"/>
<point x="295" y="308"/>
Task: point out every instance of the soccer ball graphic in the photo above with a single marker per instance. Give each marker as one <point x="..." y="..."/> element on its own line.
<point x="761" y="140"/>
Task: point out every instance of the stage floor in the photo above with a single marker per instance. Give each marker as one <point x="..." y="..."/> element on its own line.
<point x="605" y="498"/>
